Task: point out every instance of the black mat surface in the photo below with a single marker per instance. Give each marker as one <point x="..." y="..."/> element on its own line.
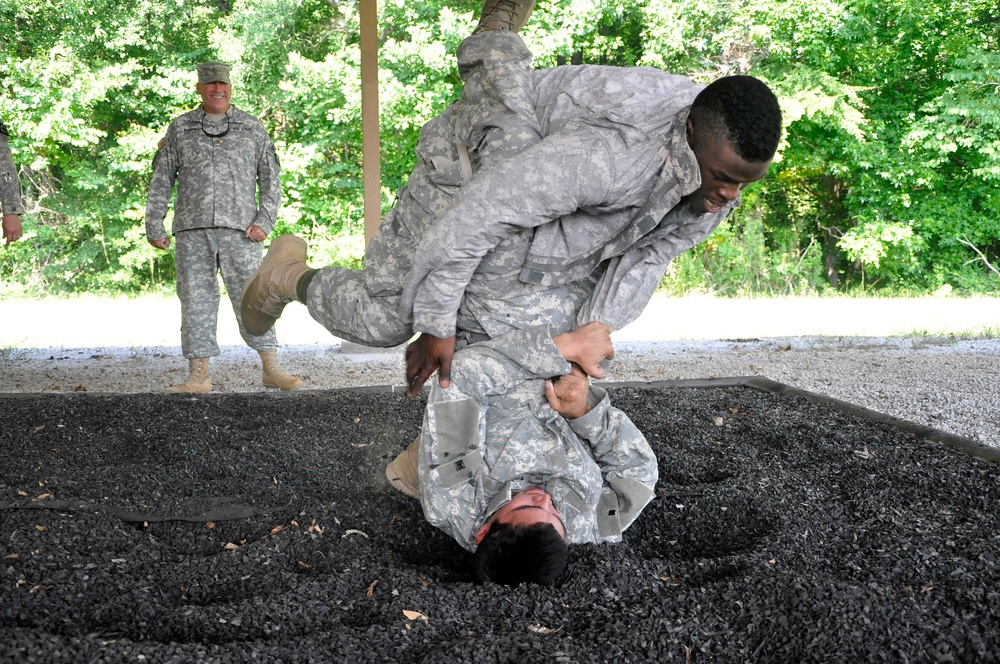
<point x="255" y="527"/>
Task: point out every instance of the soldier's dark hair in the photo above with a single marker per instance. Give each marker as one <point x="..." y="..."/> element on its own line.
<point x="742" y="109"/>
<point x="511" y="555"/>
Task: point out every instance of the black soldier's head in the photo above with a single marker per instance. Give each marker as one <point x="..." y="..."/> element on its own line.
<point x="733" y="128"/>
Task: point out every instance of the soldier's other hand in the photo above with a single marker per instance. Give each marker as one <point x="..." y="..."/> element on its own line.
<point x="587" y="346"/>
<point x="255" y="233"/>
<point x="12" y="228"/>
<point x="162" y="243"/>
<point x="425" y="355"/>
<point x="568" y="394"/>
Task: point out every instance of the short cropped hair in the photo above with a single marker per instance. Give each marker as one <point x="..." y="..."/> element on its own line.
<point x="511" y="555"/>
<point x="743" y="109"/>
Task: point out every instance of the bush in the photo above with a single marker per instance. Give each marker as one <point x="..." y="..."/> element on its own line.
<point x="737" y="261"/>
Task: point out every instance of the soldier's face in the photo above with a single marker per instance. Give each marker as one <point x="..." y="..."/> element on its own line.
<point x="723" y="171"/>
<point x="527" y="508"/>
<point x="215" y="96"/>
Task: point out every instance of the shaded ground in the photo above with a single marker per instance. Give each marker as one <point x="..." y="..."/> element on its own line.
<point x="231" y="527"/>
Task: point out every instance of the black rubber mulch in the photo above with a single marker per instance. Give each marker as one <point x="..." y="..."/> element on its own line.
<point x="259" y="527"/>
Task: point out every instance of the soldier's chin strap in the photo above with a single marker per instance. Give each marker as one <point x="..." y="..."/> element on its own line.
<point x="193" y="510"/>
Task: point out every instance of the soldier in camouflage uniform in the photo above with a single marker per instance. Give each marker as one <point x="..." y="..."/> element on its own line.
<point x="587" y="180"/>
<point x="219" y="156"/>
<point x="10" y="190"/>
<point x="507" y="447"/>
<point x="363" y="306"/>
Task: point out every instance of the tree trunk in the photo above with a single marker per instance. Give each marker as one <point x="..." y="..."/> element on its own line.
<point x="832" y="201"/>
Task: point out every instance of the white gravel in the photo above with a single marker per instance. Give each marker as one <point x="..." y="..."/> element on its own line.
<point x="935" y="379"/>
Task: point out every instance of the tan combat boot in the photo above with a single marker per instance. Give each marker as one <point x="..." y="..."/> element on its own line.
<point x="505" y="15"/>
<point x="403" y="473"/>
<point x="273" y="375"/>
<point x="266" y="293"/>
<point x="197" y="378"/>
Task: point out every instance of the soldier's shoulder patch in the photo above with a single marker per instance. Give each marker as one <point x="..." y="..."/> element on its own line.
<point x="3" y="129"/>
<point x="163" y="141"/>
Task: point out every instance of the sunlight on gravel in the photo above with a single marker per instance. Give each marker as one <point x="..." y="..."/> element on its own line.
<point x="934" y="361"/>
<point x="155" y="321"/>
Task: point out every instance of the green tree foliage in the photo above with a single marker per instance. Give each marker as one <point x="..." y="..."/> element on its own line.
<point x="886" y="177"/>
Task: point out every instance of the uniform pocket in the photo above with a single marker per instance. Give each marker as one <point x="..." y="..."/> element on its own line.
<point x="456" y="455"/>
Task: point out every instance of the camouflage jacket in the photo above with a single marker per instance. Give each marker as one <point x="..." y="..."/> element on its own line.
<point x="10" y="185"/>
<point x="492" y="434"/>
<point x="602" y="187"/>
<point x="218" y="168"/>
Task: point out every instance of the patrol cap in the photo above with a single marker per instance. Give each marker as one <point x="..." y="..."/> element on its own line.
<point x="210" y="72"/>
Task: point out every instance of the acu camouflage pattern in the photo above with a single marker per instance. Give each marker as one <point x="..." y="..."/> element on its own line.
<point x="217" y="178"/>
<point x="493" y="434"/>
<point x="613" y="161"/>
<point x="494" y="119"/>
<point x="212" y="72"/>
<point x="602" y="190"/>
<point x="201" y="255"/>
<point x="217" y="200"/>
<point x="10" y="184"/>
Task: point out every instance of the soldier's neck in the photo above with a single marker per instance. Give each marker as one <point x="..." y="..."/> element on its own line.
<point x="215" y="117"/>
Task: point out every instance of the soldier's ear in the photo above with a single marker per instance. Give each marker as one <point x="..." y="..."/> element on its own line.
<point x="481" y="533"/>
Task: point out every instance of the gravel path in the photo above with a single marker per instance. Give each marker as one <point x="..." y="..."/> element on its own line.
<point x="110" y="346"/>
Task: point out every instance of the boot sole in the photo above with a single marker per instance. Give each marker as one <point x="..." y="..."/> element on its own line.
<point x="256" y="321"/>
<point x="270" y="383"/>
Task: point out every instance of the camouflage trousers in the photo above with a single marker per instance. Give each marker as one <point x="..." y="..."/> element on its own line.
<point x="201" y="255"/>
<point x="494" y="119"/>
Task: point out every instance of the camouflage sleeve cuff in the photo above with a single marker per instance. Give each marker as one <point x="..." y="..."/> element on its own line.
<point x="591" y="426"/>
<point x="14" y="207"/>
<point x="155" y="231"/>
<point x="436" y="322"/>
<point x="266" y="224"/>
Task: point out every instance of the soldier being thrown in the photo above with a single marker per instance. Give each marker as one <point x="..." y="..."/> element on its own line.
<point x="555" y="196"/>
<point x="219" y="156"/>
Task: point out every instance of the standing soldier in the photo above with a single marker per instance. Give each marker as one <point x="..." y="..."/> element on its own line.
<point x="10" y="190"/>
<point x="219" y="156"/>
